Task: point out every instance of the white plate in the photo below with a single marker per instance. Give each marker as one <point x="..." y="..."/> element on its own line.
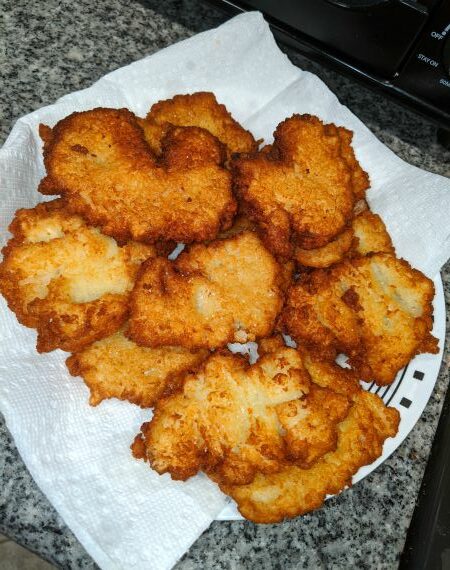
<point x="409" y="393"/>
<point x="124" y="514"/>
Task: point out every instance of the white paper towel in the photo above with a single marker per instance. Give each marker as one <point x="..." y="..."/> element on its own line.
<point x="124" y="514"/>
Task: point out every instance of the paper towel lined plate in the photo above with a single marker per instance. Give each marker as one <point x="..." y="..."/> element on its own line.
<point x="124" y="514"/>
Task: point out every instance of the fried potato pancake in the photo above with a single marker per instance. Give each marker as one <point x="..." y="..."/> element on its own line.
<point x="376" y="309"/>
<point x="239" y="419"/>
<point x="116" y="367"/>
<point x="295" y="491"/>
<point x="197" y="110"/>
<point x="65" y="278"/>
<point x="100" y="162"/>
<point x="303" y="189"/>
<point x="230" y="290"/>
<point x="367" y="234"/>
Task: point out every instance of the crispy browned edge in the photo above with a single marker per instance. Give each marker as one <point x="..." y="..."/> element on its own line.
<point x="175" y="384"/>
<point x="374" y="440"/>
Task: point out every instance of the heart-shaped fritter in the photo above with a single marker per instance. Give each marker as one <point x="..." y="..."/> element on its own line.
<point x="303" y="189"/>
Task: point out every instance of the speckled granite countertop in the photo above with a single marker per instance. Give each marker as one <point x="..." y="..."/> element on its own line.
<point x="53" y="47"/>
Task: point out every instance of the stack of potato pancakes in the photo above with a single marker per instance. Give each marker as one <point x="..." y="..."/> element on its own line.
<point x="279" y="240"/>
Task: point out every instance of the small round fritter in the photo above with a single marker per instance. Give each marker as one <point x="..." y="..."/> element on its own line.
<point x="229" y="290"/>
<point x="367" y="234"/>
<point x="303" y="190"/>
<point x="116" y="367"/>
<point x="376" y="309"/>
<point x="100" y="162"/>
<point x="295" y="491"/>
<point x="197" y="110"/>
<point x="237" y="419"/>
<point x="65" y="278"/>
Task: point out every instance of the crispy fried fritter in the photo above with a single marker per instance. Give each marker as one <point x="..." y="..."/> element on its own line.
<point x="371" y="234"/>
<point x="296" y="491"/>
<point x="302" y="190"/>
<point x="238" y="420"/>
<point x="367" y="234"/>
<point x="116" y="367"/>
<point x="196" y="110"/>
<point x="376" y="309"/>
<point x="242" y="223"/>
<point x="100" y="162"/>
<point x="65" y="278"/>
<point x="227" y="291"/>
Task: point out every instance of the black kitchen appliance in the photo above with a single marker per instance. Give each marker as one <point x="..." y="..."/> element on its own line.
<point x="401" y="47"/>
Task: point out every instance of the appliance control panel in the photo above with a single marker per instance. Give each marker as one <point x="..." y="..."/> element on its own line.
<point x="399" y="47"/>
<point x="426" y="74"/>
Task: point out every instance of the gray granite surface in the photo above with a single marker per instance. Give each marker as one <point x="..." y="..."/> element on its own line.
<point x="53" y="47"/>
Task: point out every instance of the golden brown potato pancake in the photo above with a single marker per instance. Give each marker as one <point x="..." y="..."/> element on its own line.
<point x="196" y="110"/>
<point x="302" y="190"/>
<point x="65" y="278"/>
<point x="367" y="234"/>
<point x="376" y="309"/>
<point x="230" y="290"/>
<point x="116" y="367"/>
<point x="100" y="162"/>
<point x="295" y="491"/>
<point x="238" y="419"/>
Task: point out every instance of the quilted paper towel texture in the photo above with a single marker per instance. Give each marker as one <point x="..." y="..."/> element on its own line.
<point x="125" y="515"/>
